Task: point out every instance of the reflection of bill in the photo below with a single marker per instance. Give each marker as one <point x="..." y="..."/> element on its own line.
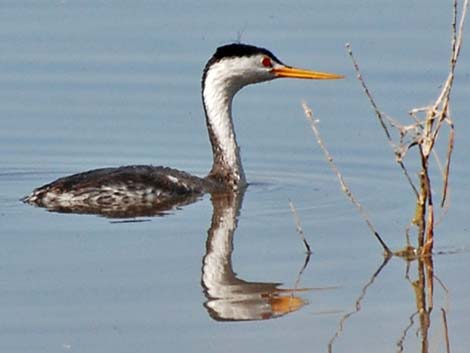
<point x="228" y="297"/>
<point x="260" y="305"/>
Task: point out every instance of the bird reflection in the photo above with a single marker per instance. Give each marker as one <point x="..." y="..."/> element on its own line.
<point x="230" y="298"/>
<point x="130" y="210"/>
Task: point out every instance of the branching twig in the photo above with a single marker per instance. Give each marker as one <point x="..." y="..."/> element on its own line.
<point x="443" y="100"/>
<point x="423" y="133"/>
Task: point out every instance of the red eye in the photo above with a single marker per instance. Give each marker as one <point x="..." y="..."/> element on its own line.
<point x="266" y="62"/>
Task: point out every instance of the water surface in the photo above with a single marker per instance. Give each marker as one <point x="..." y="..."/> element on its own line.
<point x="92" y="84"/>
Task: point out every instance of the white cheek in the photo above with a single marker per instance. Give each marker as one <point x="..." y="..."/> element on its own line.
<point x="243" y="71"/>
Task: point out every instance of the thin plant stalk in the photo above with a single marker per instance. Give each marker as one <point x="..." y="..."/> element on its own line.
<point x="344" y="187"/>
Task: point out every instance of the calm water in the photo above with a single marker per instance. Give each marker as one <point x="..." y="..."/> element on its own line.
<point x="91" y="84"/>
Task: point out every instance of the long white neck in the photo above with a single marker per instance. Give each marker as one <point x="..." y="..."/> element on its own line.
<point x="217" y="95"/>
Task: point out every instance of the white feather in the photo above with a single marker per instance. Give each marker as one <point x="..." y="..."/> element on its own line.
<point x="223" y="80"/>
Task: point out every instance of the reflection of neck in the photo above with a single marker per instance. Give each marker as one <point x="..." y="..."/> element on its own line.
<point x="229" y="297"/>
<point x="217" y="270"/>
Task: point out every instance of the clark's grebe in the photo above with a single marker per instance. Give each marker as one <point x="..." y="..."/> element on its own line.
<point x="141" y="187"/>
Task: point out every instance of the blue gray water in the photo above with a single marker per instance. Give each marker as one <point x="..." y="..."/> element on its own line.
<point x="91" y="84"/>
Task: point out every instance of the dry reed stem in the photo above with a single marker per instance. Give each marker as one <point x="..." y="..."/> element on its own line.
<point x="344" y="187"/>
<point x="442" y="103"/>
<point x="300" y="230"/>
<point x="424" y="134"/>
<point x="445" y="178"/>
<point x="446" y="329"/>
<point x="457" y="36"/>
<point x="381" y="116"/>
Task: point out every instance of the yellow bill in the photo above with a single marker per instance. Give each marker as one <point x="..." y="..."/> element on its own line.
<point x="292" y="72"/>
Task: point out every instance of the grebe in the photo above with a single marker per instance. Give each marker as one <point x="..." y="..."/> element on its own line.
<point x="139" y="189"/>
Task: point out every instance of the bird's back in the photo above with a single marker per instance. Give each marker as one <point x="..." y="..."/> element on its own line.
<point x="120" y="192"/>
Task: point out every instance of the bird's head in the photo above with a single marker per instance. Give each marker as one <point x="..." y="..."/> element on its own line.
<point x="236" y="65"/>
